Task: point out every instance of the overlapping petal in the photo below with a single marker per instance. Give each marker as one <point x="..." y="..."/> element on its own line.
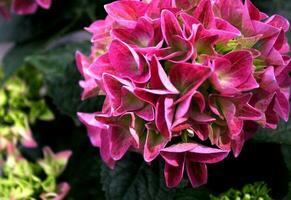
<point x="177" y="73"/>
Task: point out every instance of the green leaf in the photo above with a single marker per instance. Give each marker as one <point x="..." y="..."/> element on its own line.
<point x="133" y="179"/>
<point x="192" y="194"/>
<point x="286" y="151"/>
<point x="14" y="59"/>
<point x="49" y="184"/>
<point x="62" y="77"/>
<point x="282" y="135"/>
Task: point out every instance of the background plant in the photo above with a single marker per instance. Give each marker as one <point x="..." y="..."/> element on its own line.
<point x="49" y="46"/>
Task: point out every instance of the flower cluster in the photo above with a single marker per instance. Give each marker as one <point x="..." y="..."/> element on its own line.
<point x="21" y="104"/>
<point x="22" y="7"/>
<point x="187" y="80"/>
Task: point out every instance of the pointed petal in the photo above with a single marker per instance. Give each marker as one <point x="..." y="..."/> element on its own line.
<point x="179" y="148"/>
<point x="23" y="7"/>
<point x="142" y="35"/>
<point x="204" y="13"/>
<point x="173" y="175"/>
<point x="282" y="106"/>
<point x="159" y="78"/>
<point x="105" y="149"/>
<point x="188" y="77"/>
<point x="127" y="63"/>
<point x="204" y="154"/>
<point x="120" y="140"/>
<point x="126" y="12"/>
<point x="170" y="26"/>
<point x="164" y="116"/>
<point x="279" y="22"/>
<point x="44" y="3"/>
<point x="197" y="173"/>
<point x="155" y="142"/>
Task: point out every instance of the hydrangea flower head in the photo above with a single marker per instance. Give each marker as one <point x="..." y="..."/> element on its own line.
<point x="177" y="75"/>
<point x="22" y="7"/>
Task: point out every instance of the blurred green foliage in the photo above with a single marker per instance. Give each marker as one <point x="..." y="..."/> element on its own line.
<point x="24" y="180"/>
<point x="43" y="61"/>
<point x="256" y="191"/>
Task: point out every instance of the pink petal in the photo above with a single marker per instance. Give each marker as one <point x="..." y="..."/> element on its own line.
<point x="120" y="140"/>
<point x="147" y="113"/>
<point x="282" y="106"/>
<point x="142" y="35"/>
<point x="93" y="128"/>
<point x="159" y="78"/>
<point x="186" y="4"/>
<point x="156" y="6"/>
<point x="23" y="7"/>
<point x="170" y="26"/>
<point x="155" y="142"/>
<point x="105" y="149"/>
<point x="127" y="63"/>
<point x="126" y="13"/>
<point x="164" y="116"/>
<point x="46" y="4"/>
<point x="195" y="99"/>
<point x="203" y="154"/>
<point x="197" y="173"/>
<point x="188" y="77"/>
<point x="179" y="148"/>
<point x="204" y="13"/>
<point x="173" y="175"/>
<point x="279" y="22"/>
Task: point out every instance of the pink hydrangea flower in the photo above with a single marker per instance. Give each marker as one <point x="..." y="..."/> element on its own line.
<point x="178" y="73"/>
<point x="22" y="7"/>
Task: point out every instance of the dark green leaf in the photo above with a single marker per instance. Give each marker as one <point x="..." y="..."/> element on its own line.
<point x="14" y="59"/>
<point x="133" y="179"/>
<point x="282" y="135"/>
<point x="62" y="77"/>
<point x="192" y="194"/>
<point x="286" y="151"/>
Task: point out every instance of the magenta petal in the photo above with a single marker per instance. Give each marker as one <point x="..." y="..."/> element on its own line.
<point x="188" y="77"/>
<point x="127" y="12"/>
<point x="23" y="7"/>
<point x="105" y="149"/>
<point x="203" y="154"/>
<point x="269" y="82"/>
<point x="227" y="77"/>
<point x="184" y="106"/>
<point x="224" y="30"/>
<point x="159" y="78"/>
<point x="197" y="173"/>
<point x="282" y="106"/>
<point x="204" y="13"/>
<point x="5" y="12"/>
<point x="93" y="127"/>
<point x="237" y="144"/>
<point x="155" y="7"/>
<point x="254" y="12"/>
<point x="147" y="113"/>
<point x="170" y="26"/>
<point x="173" y="175"/>
<point x="127" y="63"/>
<point x="155" y="142"/>
<point x="121" y="140"/>
<point x="44" y="3"/>
<point x="91" y="89"/>
<point x="164" y="116"/>
<point x="142" y="35"/>
<point x="248" y="112"/>
<point x="186" y="4"/>
<point x="180" y="148"/>
<point x="279" y="22"/>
